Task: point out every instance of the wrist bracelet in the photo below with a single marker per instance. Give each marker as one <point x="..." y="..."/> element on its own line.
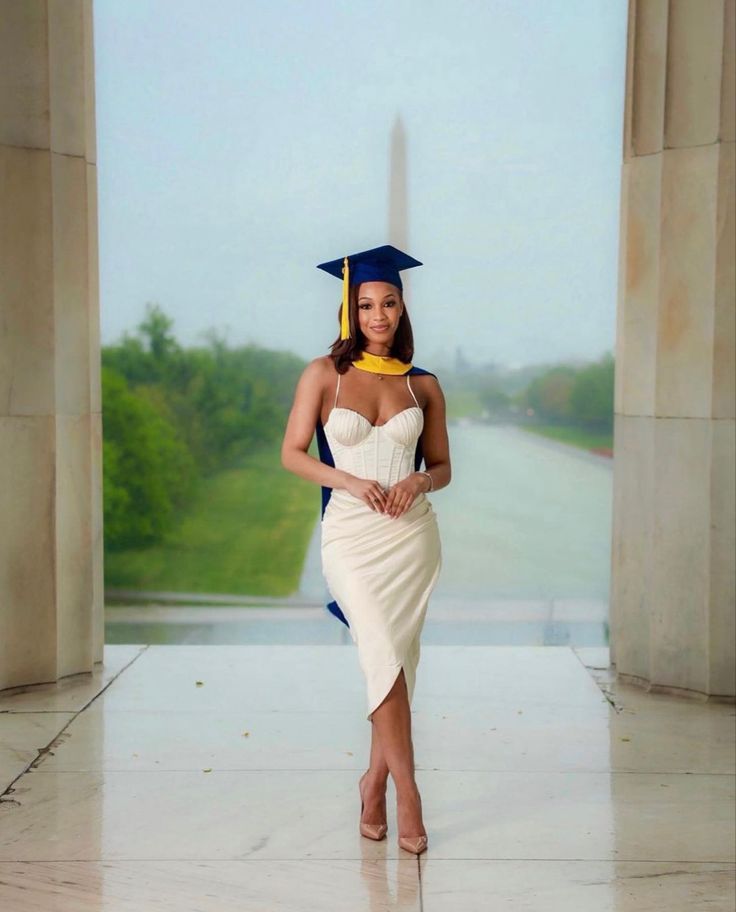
<point x="431" y="482"/>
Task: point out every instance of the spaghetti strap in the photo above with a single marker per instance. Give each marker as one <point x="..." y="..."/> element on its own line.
<point x="337" y="390"/>
<point x="411" y="390"/>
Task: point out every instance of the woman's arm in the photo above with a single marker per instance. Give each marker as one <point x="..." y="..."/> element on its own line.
<point x="303" y="418"/>
<point x="435" y="442"/>
<point x="436" y="452"/>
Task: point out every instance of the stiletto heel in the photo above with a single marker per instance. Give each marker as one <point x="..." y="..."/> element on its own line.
<point x="375" y="831"/>
<point x="414" y="844"/>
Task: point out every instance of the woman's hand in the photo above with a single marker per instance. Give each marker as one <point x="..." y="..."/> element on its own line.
<point x="403" y="494"/>
<point x="368" y="491"/>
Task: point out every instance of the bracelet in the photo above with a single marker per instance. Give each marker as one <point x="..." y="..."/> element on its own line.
<point x="431" y="482"/>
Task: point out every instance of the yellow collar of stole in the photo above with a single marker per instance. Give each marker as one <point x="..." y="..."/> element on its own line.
<point x="381" y="364"/>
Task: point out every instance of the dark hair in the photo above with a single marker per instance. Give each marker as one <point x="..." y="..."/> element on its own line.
<point x="343" y="351"/>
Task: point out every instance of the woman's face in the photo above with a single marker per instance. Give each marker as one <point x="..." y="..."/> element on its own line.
<point x="379" y="309"/>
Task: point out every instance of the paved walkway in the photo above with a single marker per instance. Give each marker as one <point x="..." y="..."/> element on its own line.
<point x="219" y="778"/>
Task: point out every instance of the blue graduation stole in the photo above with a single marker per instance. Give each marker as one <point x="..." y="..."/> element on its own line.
<point x="325" y="455"/>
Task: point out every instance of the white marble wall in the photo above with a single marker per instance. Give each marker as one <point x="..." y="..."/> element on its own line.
<point x="51" y="592"/>
<point x="673" y="594"/>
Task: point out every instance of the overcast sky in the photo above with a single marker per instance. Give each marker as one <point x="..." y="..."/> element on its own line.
<point x="241" y="143"/>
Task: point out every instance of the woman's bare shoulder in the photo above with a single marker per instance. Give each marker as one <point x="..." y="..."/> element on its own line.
<point x="319" y="366"/>
<point x="428" y="381"/>
<point x="429" y="384"/>
<point x="317" y="372"/>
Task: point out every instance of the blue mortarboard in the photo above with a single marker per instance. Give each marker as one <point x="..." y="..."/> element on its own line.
<point x="380" y="264"/>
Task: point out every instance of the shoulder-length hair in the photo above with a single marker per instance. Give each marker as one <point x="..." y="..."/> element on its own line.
<point x="343" y="351"/>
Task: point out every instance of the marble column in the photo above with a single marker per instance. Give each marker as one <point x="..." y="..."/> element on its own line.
<point x="51" y="586"/>
<point x="673" y="601"/>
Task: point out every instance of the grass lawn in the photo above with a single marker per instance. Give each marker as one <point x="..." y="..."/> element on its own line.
<point x="572" y="435"/>
<point x="246" y="532"/>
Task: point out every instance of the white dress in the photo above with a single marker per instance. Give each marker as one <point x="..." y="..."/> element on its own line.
<point x="380" y="569"/>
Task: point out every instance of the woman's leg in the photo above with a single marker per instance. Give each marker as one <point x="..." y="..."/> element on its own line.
<point x="373" y="783"/>
<point x="392" y="723"/>
<point x="378" y="765"/>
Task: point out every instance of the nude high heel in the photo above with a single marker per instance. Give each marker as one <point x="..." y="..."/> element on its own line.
<point x="414" y="844"/>
<point x="375" y="831"/>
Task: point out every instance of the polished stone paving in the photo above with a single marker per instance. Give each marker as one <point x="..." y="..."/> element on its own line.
<point x="218" y="778"/>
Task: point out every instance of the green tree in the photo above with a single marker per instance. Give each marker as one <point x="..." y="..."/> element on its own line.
<point x="147" y="469"/>
<point x="156" y="330"/>
<point x="591" y="396"/>
<point x="549" y="395"/>
<point x="493" y="399"/>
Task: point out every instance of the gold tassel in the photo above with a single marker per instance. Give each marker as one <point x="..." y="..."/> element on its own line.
<point x="345" y="312"/>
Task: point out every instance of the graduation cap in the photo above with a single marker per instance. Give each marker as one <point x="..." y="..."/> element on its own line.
<point x="380" y="264"/>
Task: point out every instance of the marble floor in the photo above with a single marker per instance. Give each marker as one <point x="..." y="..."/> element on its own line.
<point x="218" y="778"/>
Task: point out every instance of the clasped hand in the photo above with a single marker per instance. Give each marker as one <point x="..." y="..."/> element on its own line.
<point x="393" y="502"/>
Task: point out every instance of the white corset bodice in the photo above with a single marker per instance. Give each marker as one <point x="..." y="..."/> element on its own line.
<point x="385" y="452"/>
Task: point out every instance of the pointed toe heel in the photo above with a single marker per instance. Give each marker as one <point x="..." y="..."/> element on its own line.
<point x="414" y="844"/>
<point x="375" y="831"/>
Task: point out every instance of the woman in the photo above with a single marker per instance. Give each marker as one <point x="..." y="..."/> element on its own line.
<point x="381" y="553"/>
